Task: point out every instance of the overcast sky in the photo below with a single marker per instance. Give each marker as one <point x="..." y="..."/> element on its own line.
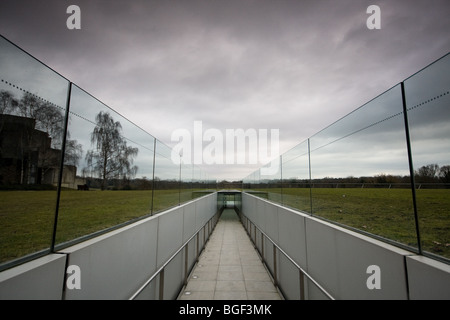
<point x="291" y="65"/>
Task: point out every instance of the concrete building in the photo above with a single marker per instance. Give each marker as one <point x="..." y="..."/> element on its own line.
<point x="27" y="156"/>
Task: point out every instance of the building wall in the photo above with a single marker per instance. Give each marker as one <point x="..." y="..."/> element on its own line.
<point x="26" y="156"/>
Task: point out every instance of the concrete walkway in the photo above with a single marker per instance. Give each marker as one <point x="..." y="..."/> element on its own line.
<point x="229" y="268"/>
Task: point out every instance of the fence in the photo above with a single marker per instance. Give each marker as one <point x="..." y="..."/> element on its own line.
<point x="382" y="170"/>
<point x="71" y="167"/>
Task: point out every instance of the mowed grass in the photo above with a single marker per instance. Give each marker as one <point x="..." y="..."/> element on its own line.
<point x="27" y="217"/>
<point x="388" y="213"/>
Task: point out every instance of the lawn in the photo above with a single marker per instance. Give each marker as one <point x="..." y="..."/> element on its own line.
<point x="26" y="217"/>
<point x="387" y="213"/>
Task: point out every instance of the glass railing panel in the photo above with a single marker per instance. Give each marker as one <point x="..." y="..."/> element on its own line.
<point x="33" y="102"/>
<point x="186" y="187"/>
<point x="428" y="105"/>
<point x="360" y="171"/>
<point x="108" y="170"/>
<point x="269" y="184"/>
<point x="296" y="180"/>
<point x="167" y="178"/>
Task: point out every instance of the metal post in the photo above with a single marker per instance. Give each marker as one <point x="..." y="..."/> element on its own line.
<point x="262" y="246"/>
<point x="153" y="178"/>
<point x="161" y="285"/>
<point x="198" y="240"/>
<point x="61" y="168"/>
<point x="179" y="186"/>
<point x="302" y="285"/>
<point x="411" y="168"/>
<point x="204" y="236"/>
<point x="275" y="278"/>
<point x="186" y="260"/>
<point x="310" y="177"/>
<point x="281" y="179"/>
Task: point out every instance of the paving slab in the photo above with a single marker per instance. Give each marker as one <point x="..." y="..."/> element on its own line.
<point x="229" y="268"/>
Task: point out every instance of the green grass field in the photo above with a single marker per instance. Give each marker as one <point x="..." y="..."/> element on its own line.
<point x="387" y="213"/>
<point x="26" y="217"/>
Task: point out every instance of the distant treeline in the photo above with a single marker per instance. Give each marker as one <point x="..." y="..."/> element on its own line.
<point x="147" y="184"/>
<point x="429" y="176"/>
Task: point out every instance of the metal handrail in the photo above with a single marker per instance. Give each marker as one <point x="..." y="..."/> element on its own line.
<point x="302" y="271"/>
<point x="161" y="269"/>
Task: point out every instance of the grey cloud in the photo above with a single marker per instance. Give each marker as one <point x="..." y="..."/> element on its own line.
<point x="293" y="65"/>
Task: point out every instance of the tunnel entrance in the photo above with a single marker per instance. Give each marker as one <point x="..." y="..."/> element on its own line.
<point x="229" y="199"/>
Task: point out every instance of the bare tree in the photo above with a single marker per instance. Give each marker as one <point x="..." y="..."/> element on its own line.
<point x="444" y="174"/>
<point x="428" y="173"/>
<point x="7" y="102"/>
<point x="74" y="151"/>
<point x="111" y="158"/>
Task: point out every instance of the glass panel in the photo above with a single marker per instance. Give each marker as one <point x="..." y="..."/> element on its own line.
<point x="108" y="170"/>
<point x="108" y="173"/>
<point x="246" y="183"/>
<point x="254" y="186"/>
<point x="238" y="201"/>
<point x="270" y="178"/>
<point x="201" y="183"/>
<point x="210" y="184"/>
<point x="268" y="181"/>
<point x="428" y="101"/>
<point x="187" y="190"/>
<point x="167" y="178"/>
<point x="296" y="184"/>
<point x="360" y="171"/>
<point x="220" y="201"/>
<point x="32" y="111"/>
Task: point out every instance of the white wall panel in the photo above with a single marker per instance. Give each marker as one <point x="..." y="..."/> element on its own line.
<point x="114" y="265"/>
<point x="292" y="235"/>
<point x="170" y="234"/>
<point x="428" y="279"/>
<point x="41" y="279"/>
<point x="339" y="259"/>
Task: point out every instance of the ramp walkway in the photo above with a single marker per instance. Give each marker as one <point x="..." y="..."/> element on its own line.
<point x="229" y="268"/>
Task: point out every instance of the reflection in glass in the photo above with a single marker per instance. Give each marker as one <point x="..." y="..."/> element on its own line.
<point x="32" y="111"/>
<point x="296" y="179"/>
<point x="113" y="171"/>
<point x="110" y="162"/>
<point x="360" y="169"/>
<point x="187" y="190"/>
<point x="356" y="171"/>
<point x="167" y="179"/>
<point x="428" y="101"/>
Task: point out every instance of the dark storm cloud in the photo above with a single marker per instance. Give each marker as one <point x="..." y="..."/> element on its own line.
<point x="292" y="65"/>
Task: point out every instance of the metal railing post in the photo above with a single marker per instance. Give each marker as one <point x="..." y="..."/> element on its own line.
<point x="198" y="252"/>
<point x="61" y="168"/>
<point x="275" y="277"/>
<point x="161" y="285"/>
<point x="204" y="236"/>
<point x="302" y="285"/>
<point x="411" y="168"/>
<point x="262" y="246"/>
<point x="186" y="262"/>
